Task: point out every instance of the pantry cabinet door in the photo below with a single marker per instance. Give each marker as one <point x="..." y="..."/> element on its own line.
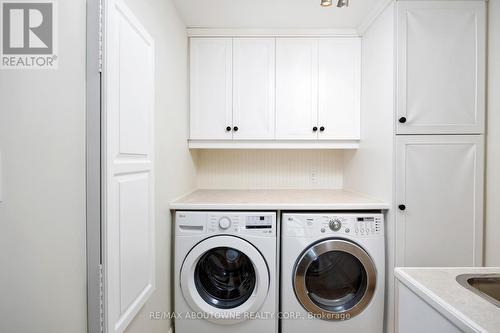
<point x="441" y="67"/>
<point x="296" y="88"/>
<point x="211" y="88"/>
<point x="439" y="180"/>
<point x="253" y="88"/>
<point x="339" y="88"/>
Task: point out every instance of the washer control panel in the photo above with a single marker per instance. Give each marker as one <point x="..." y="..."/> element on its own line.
<point x="348" y="224"/>
<point x="254" y="223"/>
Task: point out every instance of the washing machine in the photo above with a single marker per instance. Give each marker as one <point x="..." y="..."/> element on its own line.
<point x="332" y="275"/>
<point x="225" y="272"/>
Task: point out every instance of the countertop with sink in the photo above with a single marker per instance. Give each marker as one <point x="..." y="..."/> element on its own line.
<point x="277" y="200"/>
<point x="440" y="289"/>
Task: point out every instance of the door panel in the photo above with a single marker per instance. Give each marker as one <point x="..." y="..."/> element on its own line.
<point x="134" y="125"/>
<point x="440" y="181"/>
<point x="128" y="185"/>
<point x="296" y="88"/>
<point x="211" y="88"/>
<point x="339" y="88"/>
<point x="441" y="66"/>
<point x="135" y="236"/>
<point x="253" y="88"/>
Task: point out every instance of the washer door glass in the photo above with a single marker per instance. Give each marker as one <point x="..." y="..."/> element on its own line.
<point x="334" y="279"/>
<point x="225" y="277"/>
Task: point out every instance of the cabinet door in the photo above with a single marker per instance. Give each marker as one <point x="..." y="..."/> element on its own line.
<point x="211" y="88"/>
<point x="253" y="88"/>
<point x="440" y="181"/>
<point x="296" y="88"/>
<point x="339" y="88"/>
<point x="441" y="67"/>
<point x="428" y="319"/>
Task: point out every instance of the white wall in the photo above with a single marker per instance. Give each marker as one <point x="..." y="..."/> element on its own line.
<point x="42" y="141"/>
<point x="175" y="172"/>
<point x="42" y="217"/>
<point x="492" y="231"/>
<point x="278" y="169"/>
<point x="370" y="169"/>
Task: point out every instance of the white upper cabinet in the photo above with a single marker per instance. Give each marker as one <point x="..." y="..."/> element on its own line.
<point x="211" y="88"/>
<point x="253" y="88"/>
<point x="285" y="92"/>
<point x="439" y="180"/>
<point x="441" y="67"/>
<point x="296" y="88"/>
<point x="339" y="88"/>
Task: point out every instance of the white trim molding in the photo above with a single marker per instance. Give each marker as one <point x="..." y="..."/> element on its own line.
<point x="274" y="144"/>
<point x="372" y="16"/>
<point x="271" y="32"/>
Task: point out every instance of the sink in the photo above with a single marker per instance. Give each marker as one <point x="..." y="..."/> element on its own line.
<point x="485" y="285"/>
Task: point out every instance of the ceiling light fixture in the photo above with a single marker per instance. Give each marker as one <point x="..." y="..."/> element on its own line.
<point x="343" y="3"/>
<point x="326" y="3"/>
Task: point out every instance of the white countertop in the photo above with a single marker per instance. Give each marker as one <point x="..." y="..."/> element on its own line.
<point x="439" y="288"/>
<point x="277" y="200"/>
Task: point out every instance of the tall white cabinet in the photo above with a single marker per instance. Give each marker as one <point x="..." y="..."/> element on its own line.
<point x="440" y="126"/>
<point x="441" y="67"/>
<point x="440" y="183"/>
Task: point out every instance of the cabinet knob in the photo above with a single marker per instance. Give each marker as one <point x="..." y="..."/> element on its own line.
<point x="322" y="129"/>
<point x="228" y="129"/>
<point x="315" y="129"/>
<point x="402" y="207"/>
<point x="235" y="128"/>
<point x="402" y="120"/>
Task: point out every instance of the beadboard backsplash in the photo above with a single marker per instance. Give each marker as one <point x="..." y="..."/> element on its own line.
<point x="278" y="169"/>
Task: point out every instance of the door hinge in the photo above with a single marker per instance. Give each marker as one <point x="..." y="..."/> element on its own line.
<point x="101" y="299"/>
<point x="101" y="37"/>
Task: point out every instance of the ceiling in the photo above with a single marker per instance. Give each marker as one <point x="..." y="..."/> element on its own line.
<point x="272" y="13"/>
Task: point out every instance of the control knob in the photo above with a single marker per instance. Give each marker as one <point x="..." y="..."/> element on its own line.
<point x="224" y="223"/>
<point x="335" y="224"/>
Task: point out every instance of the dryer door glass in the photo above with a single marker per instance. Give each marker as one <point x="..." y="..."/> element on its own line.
<point x="225" y="277"/>
<point x="334" y="279"/>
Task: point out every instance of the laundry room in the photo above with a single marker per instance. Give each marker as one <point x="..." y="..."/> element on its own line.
<point x="182" y="166"/>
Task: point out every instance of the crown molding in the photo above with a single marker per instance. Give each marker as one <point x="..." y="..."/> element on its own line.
<point x="270" y="32"/>
<point x="372" y="15"/>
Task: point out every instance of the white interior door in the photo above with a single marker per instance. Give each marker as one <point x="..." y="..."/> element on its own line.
<point x="339" y="88"/>
<point x="253" y="88"/>
<point x="296" y="88"/>
<point x="441" y="67"/>
<point x="439" y="180"/>
<point x="128" y="216"/>
<point x="211" y="89"/>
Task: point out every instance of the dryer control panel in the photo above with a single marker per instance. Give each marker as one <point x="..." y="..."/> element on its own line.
<point x="347" y="224"/>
